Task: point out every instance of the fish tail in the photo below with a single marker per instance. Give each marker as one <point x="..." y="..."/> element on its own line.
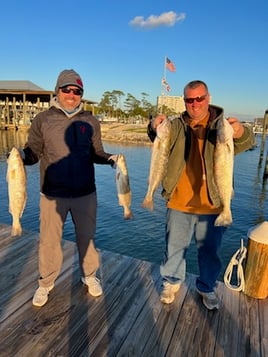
<point x="128" y="215"/>
<point x="16" y="230"/>
<point x="224" y="219"/>
<point x="148" y="203"/>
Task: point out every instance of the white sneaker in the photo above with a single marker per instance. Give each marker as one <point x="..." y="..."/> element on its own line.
<point x="169" y="291"/>
<point x="41" y="296"/>
<point x="93" y="284"/>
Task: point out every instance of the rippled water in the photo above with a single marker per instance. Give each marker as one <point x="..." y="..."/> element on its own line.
<point x="143" y="237"/>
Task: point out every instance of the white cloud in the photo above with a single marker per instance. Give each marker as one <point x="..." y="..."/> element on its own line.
<point x="166" y="19"/>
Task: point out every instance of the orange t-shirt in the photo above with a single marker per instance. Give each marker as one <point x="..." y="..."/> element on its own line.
<point x="191" y="193"/>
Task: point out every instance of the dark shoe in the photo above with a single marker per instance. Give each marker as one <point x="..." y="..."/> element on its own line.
<point x="210" y="300"/>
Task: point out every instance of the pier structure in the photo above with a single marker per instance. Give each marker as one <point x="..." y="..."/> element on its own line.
<point x="127" y="320"/>
<point x="21" y="100"/>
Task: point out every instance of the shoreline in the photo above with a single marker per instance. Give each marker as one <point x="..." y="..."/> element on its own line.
<point x="125" y="133"/>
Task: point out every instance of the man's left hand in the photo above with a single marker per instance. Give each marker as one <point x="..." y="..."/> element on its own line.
<point x="237" y="127"/>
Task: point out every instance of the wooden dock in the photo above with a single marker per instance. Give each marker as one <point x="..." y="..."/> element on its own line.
<point x="128" y="320"/>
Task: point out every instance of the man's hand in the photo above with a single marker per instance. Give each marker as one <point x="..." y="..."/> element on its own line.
<point x="237" y="127"/>
<point x="113" y="160"/>
<point x="158" y="120"/>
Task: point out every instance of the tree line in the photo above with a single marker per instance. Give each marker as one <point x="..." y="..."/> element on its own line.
<point x="126" y="107"/>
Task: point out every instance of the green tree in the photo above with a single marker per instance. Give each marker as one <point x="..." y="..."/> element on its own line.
<point x="106" y="103"/>
<point x="132" y="108"/>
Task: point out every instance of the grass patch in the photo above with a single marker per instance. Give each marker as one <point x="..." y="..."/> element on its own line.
<point x="137" y="130"/>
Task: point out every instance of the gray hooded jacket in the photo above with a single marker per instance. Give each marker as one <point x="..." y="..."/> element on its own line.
<point x="67" y="146"/>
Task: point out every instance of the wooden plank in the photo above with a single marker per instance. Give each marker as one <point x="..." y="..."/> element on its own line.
<point x="118" y="294"/>
<point x="194" y="319"/>
<point x="263" y="317"/>
<point x="63" y="303"/>
<point x="143" y="309"/>
<point x="127" y="320"/>
<point x="161" y="336"/>
<point x="248" y="327"/>
<point x="19" y="273"/>
<point x="227" y="342"/>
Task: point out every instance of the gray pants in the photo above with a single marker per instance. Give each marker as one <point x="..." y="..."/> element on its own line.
<point x="53" y="213"/>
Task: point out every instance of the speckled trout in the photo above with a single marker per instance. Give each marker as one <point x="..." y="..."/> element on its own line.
<point x="223" y="170"/>
<point x="123" y="186"/>
<point x="16" y="179"/>
<point x="159" y="160"/>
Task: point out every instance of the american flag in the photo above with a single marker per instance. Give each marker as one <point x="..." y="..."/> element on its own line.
<point x="165" y="84"/>
<point x="170" y="65"/>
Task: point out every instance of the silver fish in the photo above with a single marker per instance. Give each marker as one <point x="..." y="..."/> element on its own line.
<point x="123" y="186"/>
<point x="16" y="179"/>
<point x="159" y="160"/>
<point x="223" y="170"/>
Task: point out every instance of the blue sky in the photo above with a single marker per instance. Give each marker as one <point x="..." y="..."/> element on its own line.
<point x="121" y="45"/>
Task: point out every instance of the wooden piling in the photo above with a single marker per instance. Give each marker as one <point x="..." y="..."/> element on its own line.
<point x="256" y="272"/>
<point x="265" y="125"/>
<point x="265" y="173"/>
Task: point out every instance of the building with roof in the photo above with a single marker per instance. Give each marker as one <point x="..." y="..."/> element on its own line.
<point x="261" y="124"/>
<point x="21" y="100"/>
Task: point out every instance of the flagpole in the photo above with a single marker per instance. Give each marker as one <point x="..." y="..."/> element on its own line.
<point x="164" y="75"/>
<point x="165" y="69"/>
<point x="163" y="81"/>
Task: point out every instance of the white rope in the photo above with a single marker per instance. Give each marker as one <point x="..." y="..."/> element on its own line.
<point x="236" y="260"/>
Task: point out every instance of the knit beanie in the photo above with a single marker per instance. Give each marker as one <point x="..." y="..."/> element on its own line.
<point x="68" y="77"/>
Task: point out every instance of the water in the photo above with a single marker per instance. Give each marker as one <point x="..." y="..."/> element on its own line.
<point x="143" y="237"/>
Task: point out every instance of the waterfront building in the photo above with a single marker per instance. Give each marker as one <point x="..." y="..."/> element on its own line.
<point x="259" y="123"/>
<point x="21" y="100"/>
<point x="174" y="103"/>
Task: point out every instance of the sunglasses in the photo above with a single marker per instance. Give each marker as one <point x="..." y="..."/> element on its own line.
<point x="198" y="99"/>
<point x="75" y="91"/>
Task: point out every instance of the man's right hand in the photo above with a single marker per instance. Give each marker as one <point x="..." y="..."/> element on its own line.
<point x="158" y="120"/>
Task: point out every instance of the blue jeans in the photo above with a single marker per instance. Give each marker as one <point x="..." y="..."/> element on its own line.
<point x="180" y="229"/>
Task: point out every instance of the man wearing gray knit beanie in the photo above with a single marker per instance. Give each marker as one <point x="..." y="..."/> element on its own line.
<point x="67" y="141"/>
<point x="69" y="77"/>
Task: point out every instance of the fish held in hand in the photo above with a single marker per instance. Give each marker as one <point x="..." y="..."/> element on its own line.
<point x="17" y="193"/>
<point x="123" y="186"/>
<point x="223" y="170"/>
<point x="159" y="160"/>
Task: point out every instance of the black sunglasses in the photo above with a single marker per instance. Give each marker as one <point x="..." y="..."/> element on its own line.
<point x="75" y="91"/>
<point x="198" y="99"/>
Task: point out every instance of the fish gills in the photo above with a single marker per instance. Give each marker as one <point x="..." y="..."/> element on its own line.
<point x="123" y="186"/>
<point x="159" y="160"/>
<point x="16" y="179"/>
<point x="223" y="170"/>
